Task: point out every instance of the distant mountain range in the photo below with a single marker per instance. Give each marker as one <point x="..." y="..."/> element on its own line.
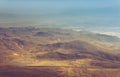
<point x="53" y="52"/>
<point x="28" y="46"/>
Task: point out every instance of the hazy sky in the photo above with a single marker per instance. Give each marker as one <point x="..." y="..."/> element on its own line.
<point x="100" y="15"/>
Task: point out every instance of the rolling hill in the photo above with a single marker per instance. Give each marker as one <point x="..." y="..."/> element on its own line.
<point x="27" y="48"/>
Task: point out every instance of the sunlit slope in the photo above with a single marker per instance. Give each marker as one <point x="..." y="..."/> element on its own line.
<point x="58" y="47"/>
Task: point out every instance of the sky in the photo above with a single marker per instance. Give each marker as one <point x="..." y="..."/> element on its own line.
<point x="91" y="15"/>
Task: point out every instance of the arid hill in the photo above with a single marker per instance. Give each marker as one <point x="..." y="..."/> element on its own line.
<point x="31" y="48"/>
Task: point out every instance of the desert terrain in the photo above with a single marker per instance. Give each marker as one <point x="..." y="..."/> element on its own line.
<point x="55" y="52"/>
